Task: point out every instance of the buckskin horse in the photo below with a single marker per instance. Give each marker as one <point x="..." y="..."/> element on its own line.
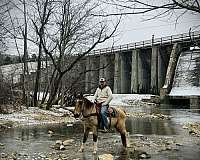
<point x="87" y="109"/>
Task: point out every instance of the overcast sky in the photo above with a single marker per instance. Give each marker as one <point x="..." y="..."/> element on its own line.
<point x="134" y="28"/>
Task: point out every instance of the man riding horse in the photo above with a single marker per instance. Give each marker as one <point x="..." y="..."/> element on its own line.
<point x="103" y="96"/>
<point x="89" y="112"/>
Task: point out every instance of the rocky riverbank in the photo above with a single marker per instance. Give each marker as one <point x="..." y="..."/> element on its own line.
<point x="56" y="135"/>
<point x="35" y="116"/>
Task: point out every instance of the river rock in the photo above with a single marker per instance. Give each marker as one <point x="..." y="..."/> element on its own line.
<point x="1" y="144"/>
<point x="3" y="155"/>
<point x="64" y="157"/>
<point x="179" y="144"/>
<point x="192" y="132"/>
<point x="169" y="142"/>
<point x="14" y="155"/>
<point x="62" y="147"/>
<point x="69" y="125"/>
<point x="56" y="146"/>
<point x="144" y="155"/>
<point x="59" y="142"/>
<point x="169" y="148"/>
<point x="50" y="132"/>
<point x="194" y="128"/>
<point x="185" y="127"/>
<point x="105" y="157"/>
<point x="68" y="142"/>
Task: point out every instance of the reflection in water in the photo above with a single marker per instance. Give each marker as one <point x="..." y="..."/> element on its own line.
<point x="86" y="156"/>
<point x="149" y="126"/>
<point x="30" y="139"/>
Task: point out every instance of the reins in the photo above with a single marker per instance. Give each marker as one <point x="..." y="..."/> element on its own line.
<point x="89" y="115"/>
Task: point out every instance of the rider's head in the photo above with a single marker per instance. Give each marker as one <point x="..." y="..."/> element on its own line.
<point x="102" y="82"/>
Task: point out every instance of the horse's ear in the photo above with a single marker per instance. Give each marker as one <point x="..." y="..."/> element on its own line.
<point x="79" y="96"/>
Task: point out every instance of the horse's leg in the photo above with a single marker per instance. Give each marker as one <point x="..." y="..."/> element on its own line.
<point x="120" y="127"/>
<point x="85" y="136"/>
<point x="123" y="138"/>
<point x="95" y="136"/>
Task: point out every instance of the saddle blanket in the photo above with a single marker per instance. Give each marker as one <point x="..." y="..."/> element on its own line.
<point x="112" y="112"/>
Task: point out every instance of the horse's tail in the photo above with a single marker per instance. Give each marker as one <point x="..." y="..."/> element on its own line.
<point x="122" y="112"/>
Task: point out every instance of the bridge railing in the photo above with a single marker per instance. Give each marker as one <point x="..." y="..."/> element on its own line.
<point x="181" y="38"/>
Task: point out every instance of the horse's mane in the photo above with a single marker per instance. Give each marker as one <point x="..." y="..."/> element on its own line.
<point x="88" y="103"/>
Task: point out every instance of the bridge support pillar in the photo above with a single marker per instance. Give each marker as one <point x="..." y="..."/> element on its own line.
<point x="163" y="59"/>
<point x="107" y="69"/>
<point x="154" y="69"/>
<point x="92" y="77"/>
<point x="144" y="71"/>
<point x="194" y="103"/>
<point x="134" y="71"/>
<point x="125" y="73"/>
<point x="81" y="67"/>
<point x="94" y="73"/>
<point x="158" y="69"/>
<point x="117" y="74"/>
<point x="102" y="66"/>
<point x="87" y="74"/>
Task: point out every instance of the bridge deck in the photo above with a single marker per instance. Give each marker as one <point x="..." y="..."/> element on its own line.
<point x="179" y="38"/>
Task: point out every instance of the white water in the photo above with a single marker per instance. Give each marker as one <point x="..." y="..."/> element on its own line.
<point x="187" y="76"/>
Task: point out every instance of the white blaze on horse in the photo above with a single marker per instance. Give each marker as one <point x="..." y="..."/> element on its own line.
<point x="87" y="109"/>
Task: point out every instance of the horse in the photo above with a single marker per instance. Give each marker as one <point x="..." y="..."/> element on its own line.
<point x="87" y="109"/>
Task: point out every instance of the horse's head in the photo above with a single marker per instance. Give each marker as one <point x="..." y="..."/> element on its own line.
<point x="78" y="106"/>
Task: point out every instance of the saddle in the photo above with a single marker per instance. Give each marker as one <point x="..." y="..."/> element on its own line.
<point x="111" y="113"/>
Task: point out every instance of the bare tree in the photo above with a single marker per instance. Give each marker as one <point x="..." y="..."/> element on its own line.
<point x="60" y="29"/>
<point x="3" y="23"/>
<point x="69" y="28"/>
<point x="19" y="31"/>
<point x="44" y="10"/>
<point x="130" y="7"/>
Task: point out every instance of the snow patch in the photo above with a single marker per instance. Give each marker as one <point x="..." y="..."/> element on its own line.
<point x="124" y="99"/>
<point x="185" y="91"/>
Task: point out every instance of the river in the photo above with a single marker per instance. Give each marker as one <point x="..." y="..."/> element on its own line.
<point x="146" y="133"/>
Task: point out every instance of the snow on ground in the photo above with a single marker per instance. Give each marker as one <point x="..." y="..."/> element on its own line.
<point x="13" y="71"/>
<point x="125" y="99"/>
<point x="185" y="91"/>
<point x="34" y="116"/>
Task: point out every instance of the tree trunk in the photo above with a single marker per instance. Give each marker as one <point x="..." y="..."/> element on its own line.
<point x="25" y="57"/>
<point x="54" y="89"/>
<point x="48" y="86"/>
<point x="37" y="80"/>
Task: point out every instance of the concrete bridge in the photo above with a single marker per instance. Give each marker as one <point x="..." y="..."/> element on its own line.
<point x="139" y="67"/>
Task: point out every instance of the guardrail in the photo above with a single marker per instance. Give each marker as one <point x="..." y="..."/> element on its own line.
<point x="179" y="38"/>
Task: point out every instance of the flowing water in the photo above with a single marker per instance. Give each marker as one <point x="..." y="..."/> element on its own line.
<point x="33" y="142"/>
<point x="187" y="76"/>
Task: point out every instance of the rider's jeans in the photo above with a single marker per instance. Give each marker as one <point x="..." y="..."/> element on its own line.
<point x="104" y="121"/>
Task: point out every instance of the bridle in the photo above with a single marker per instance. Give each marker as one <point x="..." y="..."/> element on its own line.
<point x="82" y="110"/>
